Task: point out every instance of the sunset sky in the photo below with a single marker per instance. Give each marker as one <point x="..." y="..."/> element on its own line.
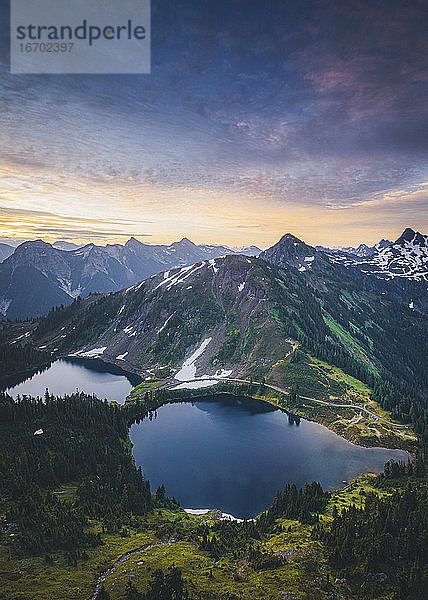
<point x="259" y="118"/>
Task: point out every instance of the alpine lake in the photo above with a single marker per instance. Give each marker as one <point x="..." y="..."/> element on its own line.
<point x="225" y="452"/>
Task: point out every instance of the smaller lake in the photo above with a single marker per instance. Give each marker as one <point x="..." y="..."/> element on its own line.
<point x="233" y="454"/>
<point x="65" y="376"/>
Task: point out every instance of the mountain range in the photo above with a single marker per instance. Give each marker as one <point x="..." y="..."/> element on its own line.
<point x="62" y="245"/>
<point x="291" y="312"/>
<point x="361" y="250"/>
<point x="407" y="258"/>
<point x="38" y="275"/>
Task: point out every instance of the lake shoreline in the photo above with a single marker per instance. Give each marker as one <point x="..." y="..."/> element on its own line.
<point x="130" y="372"/>
<point x="217" y="447"/>
<point x="410" y="448"/>
<point x="211" y="391"/>
<point x="214" y="395"/>
<point x="8" y="381"/>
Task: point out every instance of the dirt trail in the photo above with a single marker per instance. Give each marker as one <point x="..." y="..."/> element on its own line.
<point x="122" y="559"/>
<point x="278" y="389"/>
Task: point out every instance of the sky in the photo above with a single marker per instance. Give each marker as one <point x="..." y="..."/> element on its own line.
<point x="258" y="118"/>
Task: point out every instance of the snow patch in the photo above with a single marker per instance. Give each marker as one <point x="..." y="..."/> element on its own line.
<point x="165" y="324"/>
<point x="90" y="353"/>
<point x="38" y="432"/>
<point x="212" y="264"/>
<point x="241" y="287"/>
<point x="23" y="335"/>
<point x="179" y="277"/>
<point x="301" y="269"/>
<point x="188" y="370"/>
<point x="121" y="356"/>
<point x="197" y="511"/>
<point x="223" y="373"/>
<point x="204" y="511"/>
<point x="228" y="517"/>
<point x="195" y="385"/>
<point x="4" y="305"/>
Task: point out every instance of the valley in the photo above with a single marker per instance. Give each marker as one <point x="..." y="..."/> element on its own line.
<point x="310" y="338"/>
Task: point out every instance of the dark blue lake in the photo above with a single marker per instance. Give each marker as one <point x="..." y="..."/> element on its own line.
<point x="234" y="454"/>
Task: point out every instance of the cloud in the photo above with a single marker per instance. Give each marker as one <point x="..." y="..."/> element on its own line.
<point x="14" y="213"/>
<point x="16" y="223"/>
<point x="301" y="105"/>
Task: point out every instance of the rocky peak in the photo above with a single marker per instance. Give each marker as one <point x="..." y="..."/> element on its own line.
<point x="383" y="244"/>
<point x="35" y="245"/>
<point x="411" y="236"/>
<point x="407" y="235"/>
<point x="184" y="243"/>
<point x="292" y="251"/>
<point x="133" y="243"/>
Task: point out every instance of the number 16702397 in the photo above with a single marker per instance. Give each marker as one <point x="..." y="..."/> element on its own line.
<point x="46" y="47"/>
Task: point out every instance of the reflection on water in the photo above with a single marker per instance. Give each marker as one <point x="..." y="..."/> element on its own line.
<point x="65" y="376"/>
<point x="234" y="454"/>
<point x="225" y="452"/>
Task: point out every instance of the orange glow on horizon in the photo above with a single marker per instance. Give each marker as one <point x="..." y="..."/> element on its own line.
<point x="48" y="206"/>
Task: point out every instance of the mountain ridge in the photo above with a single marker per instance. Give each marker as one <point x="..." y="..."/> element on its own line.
<point x="247" y="315"/>
<point x="362" y="250"/>
<point x="398" y="269"/>
<point x="88" y="269"/>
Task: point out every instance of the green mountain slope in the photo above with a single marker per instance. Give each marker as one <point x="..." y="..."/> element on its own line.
<point x="242" y="316"/>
